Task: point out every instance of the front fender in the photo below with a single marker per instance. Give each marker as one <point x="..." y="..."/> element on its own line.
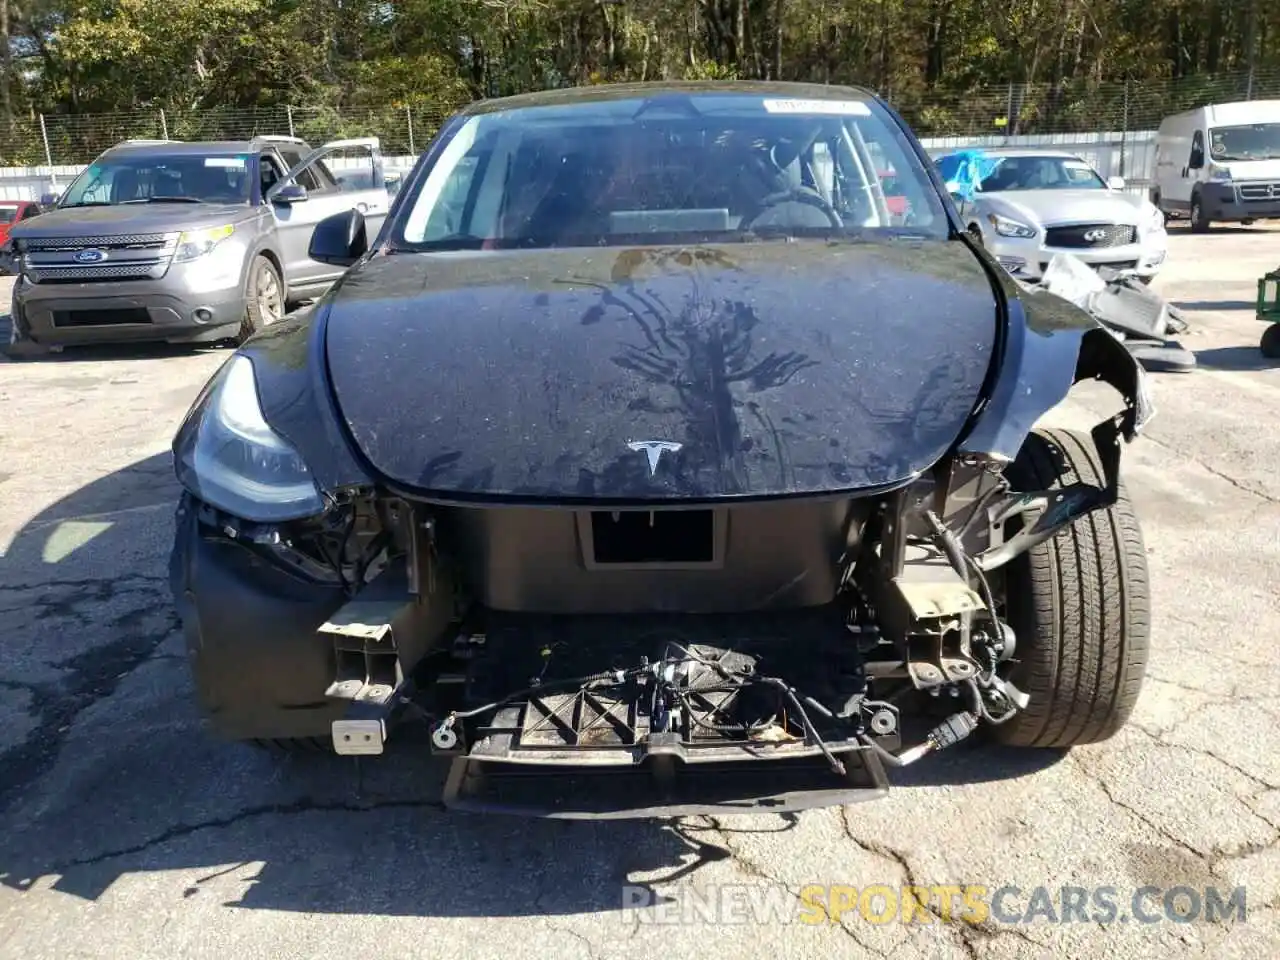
<point x="1049" y="346"/>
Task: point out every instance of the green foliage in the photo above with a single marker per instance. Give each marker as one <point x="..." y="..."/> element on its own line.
<point x="950" y="65"/>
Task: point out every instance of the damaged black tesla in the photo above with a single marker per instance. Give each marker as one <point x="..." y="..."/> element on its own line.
<point x="651" y="460"/>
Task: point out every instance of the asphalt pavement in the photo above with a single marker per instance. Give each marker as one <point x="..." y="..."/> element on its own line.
<point x="130" y="833"/>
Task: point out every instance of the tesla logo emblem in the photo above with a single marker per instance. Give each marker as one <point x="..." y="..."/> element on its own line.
<point x="90" y="256"/>
<point x="653" y="450"/>
<point x="1093" y="236"/>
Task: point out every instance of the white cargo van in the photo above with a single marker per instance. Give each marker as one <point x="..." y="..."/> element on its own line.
<point x="1220" y="162"/>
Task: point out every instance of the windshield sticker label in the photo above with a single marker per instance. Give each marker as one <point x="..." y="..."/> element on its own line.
<point x="842" y="108"/>
<point x="231" y="163"/>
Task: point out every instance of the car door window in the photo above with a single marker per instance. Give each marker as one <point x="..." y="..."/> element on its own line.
<point x="306" y="178"/>
<point x="269" y="172"/>
<point x="1197" y="152"/>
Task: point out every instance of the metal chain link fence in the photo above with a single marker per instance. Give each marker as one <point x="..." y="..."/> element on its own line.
<point x="998" y="110"/>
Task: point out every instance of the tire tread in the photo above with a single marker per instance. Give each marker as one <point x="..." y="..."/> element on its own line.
<point x="1085" y="630"/>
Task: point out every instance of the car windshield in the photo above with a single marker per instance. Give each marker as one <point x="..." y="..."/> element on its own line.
<point x="8" y="214"/>
<point x="162" y="178"/>
<point x="1254" y="141"/>
<point x="669" y="168"/>
<point x="1042" y="173"/>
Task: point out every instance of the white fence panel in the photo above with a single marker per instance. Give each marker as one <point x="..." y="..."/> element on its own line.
<point x="1125" y="154"/>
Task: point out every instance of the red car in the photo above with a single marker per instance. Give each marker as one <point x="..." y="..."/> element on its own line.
<point x="11" y="211"/>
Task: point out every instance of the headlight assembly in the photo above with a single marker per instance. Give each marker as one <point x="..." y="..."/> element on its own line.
<point x="1010" y="228"/>
<point x="196" y="243"/>
<point x="227" y="454"/>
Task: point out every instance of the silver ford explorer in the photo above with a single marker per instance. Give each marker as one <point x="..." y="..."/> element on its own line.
<point x="182" y="242"/>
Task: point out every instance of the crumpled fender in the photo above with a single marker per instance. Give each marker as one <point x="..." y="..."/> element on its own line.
<point x="1049" y="346"/>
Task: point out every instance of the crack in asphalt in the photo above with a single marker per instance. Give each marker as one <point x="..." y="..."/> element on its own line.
<point x="1212" y="858"/>
<point x="970" y="935"/>
<point x="301" y="806"/>
<point x="752" y="869"/>
<point x="1159" y="738"/>
<point x="560" y="928"/>
<point x="1192" y="458"/>
<point x="552" y="924"/>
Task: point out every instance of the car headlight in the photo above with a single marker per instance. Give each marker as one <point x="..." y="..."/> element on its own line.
<point x="228" y="455"/>
<point x="1219" y="175"/>
<point x="1010" y="228"/>
<point x="196" y="243"/>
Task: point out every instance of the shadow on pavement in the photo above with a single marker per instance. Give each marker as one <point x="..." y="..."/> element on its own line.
<point x="1217" y="229"/>
<point x="103" y="352"/>
<point x="1220" y="305"/>
<point x="116" y="777"/>
<point x="1234" y="358"/>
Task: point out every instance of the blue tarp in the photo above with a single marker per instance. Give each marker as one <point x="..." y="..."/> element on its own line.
<point x="965" y="169"/>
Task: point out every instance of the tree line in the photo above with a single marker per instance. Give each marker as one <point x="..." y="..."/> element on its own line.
<point x="74" y="57"/>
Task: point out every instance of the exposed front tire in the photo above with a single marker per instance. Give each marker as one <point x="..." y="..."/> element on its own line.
<point x="264" y="298"/>
<point x="1080" y="607"/>
<point x="1270" y="344"/>
<point x="1199" y="221"/>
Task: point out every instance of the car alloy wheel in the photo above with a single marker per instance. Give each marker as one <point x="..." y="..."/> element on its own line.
<point x="267" y="288"/>
<point x="264" y="298"/>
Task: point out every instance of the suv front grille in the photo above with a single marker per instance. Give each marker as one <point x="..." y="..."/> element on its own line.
<point x="139" y="256"/>
<point x="1091" y="236"/>
<point x="81" y="274"/>
<point x="126" y="241"/>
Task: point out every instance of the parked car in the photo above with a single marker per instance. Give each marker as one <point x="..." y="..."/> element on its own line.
<point x="11" y="212"/>
<point x="1219" y="162"/>
<point x="181" y="242"/>
<point x="651" y="473"/>
<point x="1026" y="205"/>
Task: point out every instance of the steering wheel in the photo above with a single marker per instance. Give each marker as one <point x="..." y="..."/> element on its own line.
<point x="803" y="195"/>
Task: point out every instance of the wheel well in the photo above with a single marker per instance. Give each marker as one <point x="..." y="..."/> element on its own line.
<point x="275" y="262"/>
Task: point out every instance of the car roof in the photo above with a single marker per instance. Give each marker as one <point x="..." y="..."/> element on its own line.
<point x="197" y="148"/>
<point x="603" y="92"/>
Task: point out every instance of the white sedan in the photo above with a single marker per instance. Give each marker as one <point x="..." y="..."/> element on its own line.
<point x="1027" y="205"/>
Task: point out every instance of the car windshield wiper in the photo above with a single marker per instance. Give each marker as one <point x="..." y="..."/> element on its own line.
<point x="163" y="200"/>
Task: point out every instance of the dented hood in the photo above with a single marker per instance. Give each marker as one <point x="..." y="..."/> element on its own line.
<point x="661" y="373"/>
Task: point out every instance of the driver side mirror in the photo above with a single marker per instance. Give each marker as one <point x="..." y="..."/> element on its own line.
<point x="1115" y="183"/>
<point x="340" y="240"/>
<point x="289" y="193"/>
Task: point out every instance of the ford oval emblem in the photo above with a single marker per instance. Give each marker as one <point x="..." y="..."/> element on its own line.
<point x="91" y="255"/>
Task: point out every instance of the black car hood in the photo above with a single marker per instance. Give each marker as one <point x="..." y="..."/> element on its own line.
<point x="129" y="218"/>
<point x="779" y="368"/>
